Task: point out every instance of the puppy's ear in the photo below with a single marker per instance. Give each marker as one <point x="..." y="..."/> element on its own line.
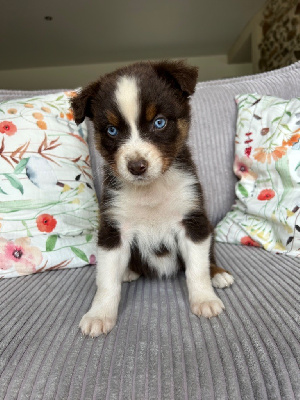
<point x="82" y="103"/>
<point x="178" y="74"/>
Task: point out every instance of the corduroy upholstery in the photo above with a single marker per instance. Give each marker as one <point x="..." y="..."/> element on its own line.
<point x="159" y="349"/>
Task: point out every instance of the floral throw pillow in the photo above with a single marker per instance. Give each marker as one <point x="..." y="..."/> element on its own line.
<point x="48" y="206"/>
<point x="267" y="163"/>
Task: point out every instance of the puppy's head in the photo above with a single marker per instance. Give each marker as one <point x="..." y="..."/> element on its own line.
<point x="141" y="116"/>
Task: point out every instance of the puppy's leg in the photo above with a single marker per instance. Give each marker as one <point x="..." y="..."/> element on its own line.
<point x="195" y="253"/>
<point x="220" y="278"/>
<point x="111" y="266"/>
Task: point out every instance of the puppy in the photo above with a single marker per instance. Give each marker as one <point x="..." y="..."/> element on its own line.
<point x="152" y="216"/>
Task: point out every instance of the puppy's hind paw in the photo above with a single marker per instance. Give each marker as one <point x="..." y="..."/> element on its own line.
<point x="94" y="326"/>
<point x="130" y="276"/>
<point x="222" y="280"/>
<point x="207" y="309"/>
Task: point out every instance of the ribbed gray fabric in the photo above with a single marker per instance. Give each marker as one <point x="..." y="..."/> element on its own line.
<point x="159" y="349"/>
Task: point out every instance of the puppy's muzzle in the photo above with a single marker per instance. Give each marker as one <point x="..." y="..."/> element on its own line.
<point x="137" y="167"/>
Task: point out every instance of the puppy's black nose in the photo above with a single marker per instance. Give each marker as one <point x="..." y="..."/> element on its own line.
<point x="137" y="167"/>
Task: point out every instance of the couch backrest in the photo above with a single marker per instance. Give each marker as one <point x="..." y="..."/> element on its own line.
<point x="214" y="114"/>
<point x="212" y="131"/>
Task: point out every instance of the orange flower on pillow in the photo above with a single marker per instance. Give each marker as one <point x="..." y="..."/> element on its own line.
<point x="69" y="115"/>
<point x="262" y="154"/>
<point x="8" y="128"/>
<point x="266" y="194"/>
<point x="41" y="124"/>
<point x="12" y="111"/>
<point x="294" y="139"/>
<point x="38" y="115"/>
<point x="46" y="109"/>
<point x="46" y="223"/>
<point x="71" y="93"/>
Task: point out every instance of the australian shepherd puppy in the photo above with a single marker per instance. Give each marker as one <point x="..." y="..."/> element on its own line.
<point x="152" y="216"/>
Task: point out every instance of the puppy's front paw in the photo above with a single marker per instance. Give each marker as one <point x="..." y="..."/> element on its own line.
<point x="222" y="280"/>
<point x="96" y="325"/>
<point x="207" y="308"/>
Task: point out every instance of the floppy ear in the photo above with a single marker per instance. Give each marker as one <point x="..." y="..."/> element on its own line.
<point x="178" y="74"/>
<point x="82" y="103"/>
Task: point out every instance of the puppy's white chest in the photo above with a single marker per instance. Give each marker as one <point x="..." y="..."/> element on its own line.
<point x="150" y="216"/>
<point x="158" y="206"/>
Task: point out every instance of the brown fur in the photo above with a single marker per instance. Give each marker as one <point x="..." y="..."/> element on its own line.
<point x="112" y="118"/>
<point x="150" y="112"/>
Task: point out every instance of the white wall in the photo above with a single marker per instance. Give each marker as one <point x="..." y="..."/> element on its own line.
<point x="210" y="67"/>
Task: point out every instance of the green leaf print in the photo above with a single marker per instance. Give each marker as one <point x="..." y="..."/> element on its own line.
<point x="29" y="234"/>
<point x="2" y="191"/>
<point x="276" y="119"/>
<point x="17" y="205"/>
<point x="243" y="190"/>
<point x="88" y="237"/>
<point x="286" y="127"/>
<point x="14" y="182"/>
<point x="79" y="253"/>
<point x="298" y="165"/>
<point x="51" y="242"/>
<point x="282" y="167"/>
<point x="22" y="164"/>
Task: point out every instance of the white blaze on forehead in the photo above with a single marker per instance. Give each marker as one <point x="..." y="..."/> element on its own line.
<point x="127" y="96"/>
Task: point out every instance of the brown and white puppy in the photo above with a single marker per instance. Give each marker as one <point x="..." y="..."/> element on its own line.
<point x="152" y="214"/>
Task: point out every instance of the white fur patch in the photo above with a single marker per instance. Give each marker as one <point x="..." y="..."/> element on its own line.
<point x="152" y="215"/>
<point x="111" y="268"/>
<point x="139" y="149"/>
<point x="127" y="96"/>
<point x="222" y="280"/>
<point x="203" y="300"/>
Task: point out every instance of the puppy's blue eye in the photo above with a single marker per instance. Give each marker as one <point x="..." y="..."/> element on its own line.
<point x="160" y="123"/>
<point x="112" y="131"/>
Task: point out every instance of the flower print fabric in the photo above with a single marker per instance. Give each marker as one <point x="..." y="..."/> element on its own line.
<point x="8" y="128"/>
<point x="19" y="255"/>
<point x="48" y="206"/>
<point x="267" y="164"/>
<point x="46" y="223"/>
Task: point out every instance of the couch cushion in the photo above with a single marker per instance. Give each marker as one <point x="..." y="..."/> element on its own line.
<point x="6" y="95"/>
<point x="158" y="349"/>
<point x="214" y="126"/>
<point x="48" y="208"/>
<point x="267" y="155"/>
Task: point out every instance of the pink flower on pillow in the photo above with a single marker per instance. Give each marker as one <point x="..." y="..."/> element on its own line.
<point x="20" y="255"/>
<point x="8" y="128"/>
<point x="242" y="168"/>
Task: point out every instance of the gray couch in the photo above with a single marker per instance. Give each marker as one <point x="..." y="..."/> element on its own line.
<point x="158" y="349"/>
